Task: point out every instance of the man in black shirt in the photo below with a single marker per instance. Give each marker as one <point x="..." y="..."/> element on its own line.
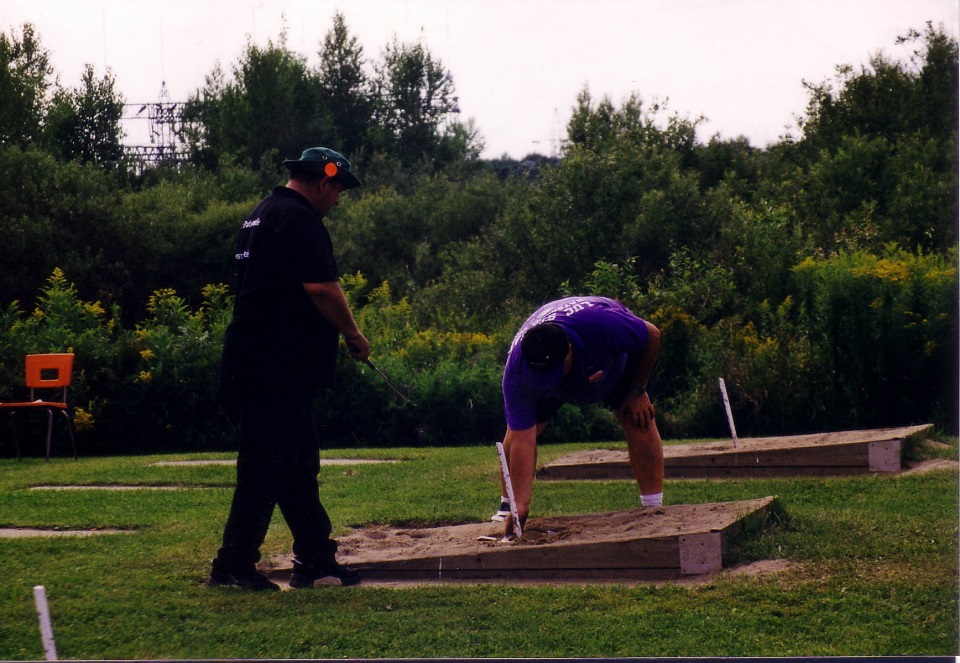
<point x="280" y="347"/>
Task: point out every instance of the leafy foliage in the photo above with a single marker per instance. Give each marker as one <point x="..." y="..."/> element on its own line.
<point x="817" y="275"/>
<point x="84" y="124"/>
<point x="413" y="93"/>
<point x="888" y="335"/>
<point x="346" y="87"/>
<point x="25" y="73"/>
<point x="240" y="119"/>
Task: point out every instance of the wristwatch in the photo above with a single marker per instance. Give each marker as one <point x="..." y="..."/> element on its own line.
<point x="639" y="391"/>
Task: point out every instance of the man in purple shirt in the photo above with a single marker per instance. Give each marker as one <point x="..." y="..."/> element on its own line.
<point x="580" y="350"/>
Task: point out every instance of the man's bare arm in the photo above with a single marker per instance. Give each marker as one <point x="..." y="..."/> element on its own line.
<point x="332" y="304"/>
<point x="520" y="447"/>
<point x="648" y="358"/>
<point x="637" y="407"/>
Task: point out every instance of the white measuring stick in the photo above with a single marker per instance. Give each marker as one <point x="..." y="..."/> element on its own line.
<point x="46" y="631"/>
<point x="726" y="405"/>
<point x="508" y="482"/>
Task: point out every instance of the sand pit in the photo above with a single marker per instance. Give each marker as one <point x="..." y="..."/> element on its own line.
<point x="642" y="544"/>
<point x="820" y="454"/>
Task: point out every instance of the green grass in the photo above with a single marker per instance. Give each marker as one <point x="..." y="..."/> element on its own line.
<point x="875" y="574"/>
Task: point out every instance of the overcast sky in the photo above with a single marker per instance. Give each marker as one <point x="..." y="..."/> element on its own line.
<point x="517" y="64"/>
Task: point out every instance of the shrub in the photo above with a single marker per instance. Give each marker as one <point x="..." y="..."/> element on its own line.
<point x="453" y="377"/>
<point x="887" y="335"/>
<point x="62" y="322"/>
<point x="170" y="398"/>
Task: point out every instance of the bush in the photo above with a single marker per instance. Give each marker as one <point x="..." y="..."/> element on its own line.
<point x="150" y="389"/>
<point x="62" y="322"/>
<point x="453" y="377"/>
<point x="767" y="368"/>
<point x="887" y="335"/>
<point x="861" y="340"/>
<point x="867" y="340"/>
<point x="170" y="394"/>
<point x="154" y="388"/>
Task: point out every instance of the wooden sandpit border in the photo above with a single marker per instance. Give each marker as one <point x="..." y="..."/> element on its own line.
<point x="663" y="543"/>
<point x="819" y="454"/>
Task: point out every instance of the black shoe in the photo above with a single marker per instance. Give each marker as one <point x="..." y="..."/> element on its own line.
<point x="244" y="578"/>
<point x="306" y="576"/>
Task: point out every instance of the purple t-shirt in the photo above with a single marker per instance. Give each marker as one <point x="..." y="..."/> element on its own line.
<point x="603" y="332"/>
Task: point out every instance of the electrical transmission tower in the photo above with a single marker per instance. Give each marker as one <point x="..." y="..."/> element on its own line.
<point x="164" y="134"/>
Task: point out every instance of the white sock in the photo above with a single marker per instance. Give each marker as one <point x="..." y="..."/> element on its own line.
<point x="656" y="499"/>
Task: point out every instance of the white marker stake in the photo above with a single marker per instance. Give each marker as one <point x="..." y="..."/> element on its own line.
<point x="517" y="531"/>
<point x="726" y="405"/>
<point x="46" y="631"/>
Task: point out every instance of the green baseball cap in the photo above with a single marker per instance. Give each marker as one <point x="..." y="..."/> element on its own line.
<point x="327" y="161"/>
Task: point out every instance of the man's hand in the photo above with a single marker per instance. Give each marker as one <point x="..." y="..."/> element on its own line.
<point x="358" y="346"/>
<point x="330" y="301"/>
<point x="637" y="410"/>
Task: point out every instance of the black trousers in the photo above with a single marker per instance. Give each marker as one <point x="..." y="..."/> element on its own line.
<point x="277" y="466"/>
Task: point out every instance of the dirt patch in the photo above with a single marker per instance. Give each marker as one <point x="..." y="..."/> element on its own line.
<point x="323" y="461"/>
<point x="379" y="543"/>
<point x="27" y="532"/>
<point x="933" y="465"/>
<point x="117" y="487"/>
<point x="763" y="567"/>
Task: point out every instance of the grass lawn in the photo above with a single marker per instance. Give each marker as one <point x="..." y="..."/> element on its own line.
<point x="876" y="568"/>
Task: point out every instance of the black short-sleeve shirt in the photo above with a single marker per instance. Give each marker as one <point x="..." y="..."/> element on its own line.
<point x="277" y="338"/>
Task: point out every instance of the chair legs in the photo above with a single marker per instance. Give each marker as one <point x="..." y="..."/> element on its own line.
<point x="49" y="431"/>
<point x="67" y="422"/>
<point x="73" y="442"/>
<point x="13" y="433"/>
<point x="69" y="425"/>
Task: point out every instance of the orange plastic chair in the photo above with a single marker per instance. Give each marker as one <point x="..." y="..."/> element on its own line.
<point x="48" y="372"/>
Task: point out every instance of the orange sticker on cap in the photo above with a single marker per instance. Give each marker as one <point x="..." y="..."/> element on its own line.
<point x="330" y="170"/>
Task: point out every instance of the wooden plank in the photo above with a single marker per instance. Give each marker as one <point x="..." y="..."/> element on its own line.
<point x="640" y="554"/>
<point x="660" y="558"/>
<point x="854" y="454"/>
<point x="820" y="454"/>
<point x="516" y="575"/>
<point x="757" y="472"/>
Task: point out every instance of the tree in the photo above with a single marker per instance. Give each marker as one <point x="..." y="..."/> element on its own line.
<point x="877" y="161"/>
<point x="84" y="124"/>
<point x="346" y="88"/>
<point x="620" y="191"/>
<point x="25" y="73"/>
<point x="414" y="94"/>
<point x="269" y="111"/>
<point x="937" y="85"/>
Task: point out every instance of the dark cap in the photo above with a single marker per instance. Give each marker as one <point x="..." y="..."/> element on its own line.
<point x="544" y="346"/>
<point x="326" y="161"/>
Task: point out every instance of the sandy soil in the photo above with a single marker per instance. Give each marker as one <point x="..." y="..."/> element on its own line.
<point x="932" y="465"/>
<point x="375" y="544"/>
